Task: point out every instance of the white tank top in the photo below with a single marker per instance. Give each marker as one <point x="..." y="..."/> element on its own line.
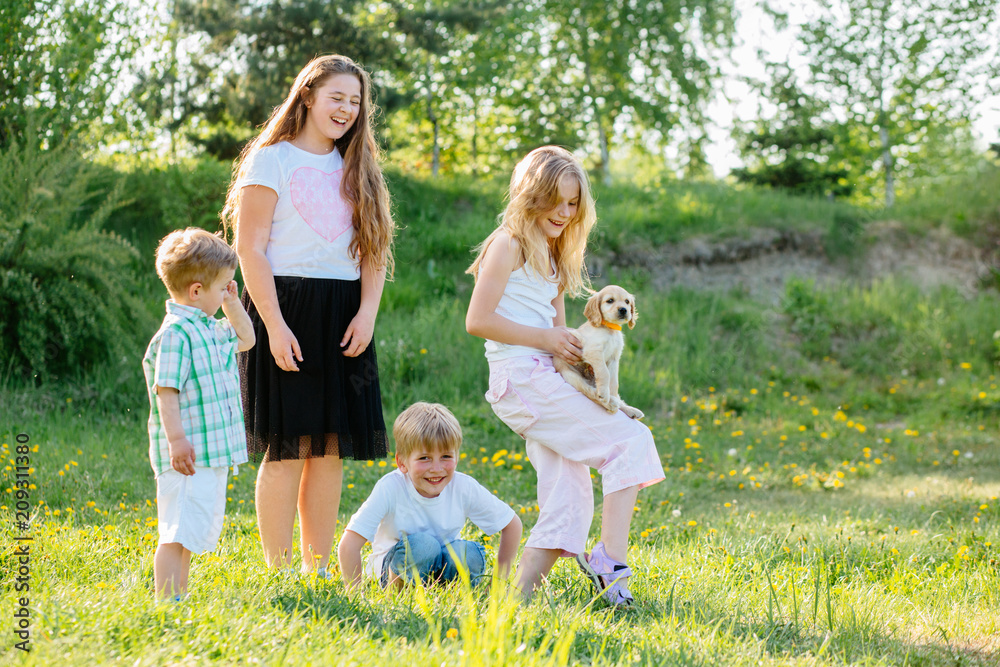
<point x="527" y="300"/>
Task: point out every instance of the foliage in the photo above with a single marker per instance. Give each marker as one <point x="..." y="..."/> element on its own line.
<point x="61" y="56"/>
<point x="896" y="69"/>
<point x="797" y="148"/>
<point x="444" y="51"/>
<point x="964" y="201"/>
<point x="228" y="63"/>
<point x="164" y="196"/>
<point x="68" y="297"/>
<point x="476" y="80"/>
<point x="647" y="65"/>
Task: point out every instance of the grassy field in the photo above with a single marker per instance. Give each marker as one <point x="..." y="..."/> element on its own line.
<point x="831" y="494"/>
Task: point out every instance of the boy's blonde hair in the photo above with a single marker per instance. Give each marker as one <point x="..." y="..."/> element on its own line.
<point x="192" y="255"/>
<point x="363" y="186"/>
<point x="534" y="191"/>
<point x="426" y="426"/>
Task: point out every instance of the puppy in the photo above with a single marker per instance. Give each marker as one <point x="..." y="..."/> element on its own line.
<point x="596" y="375"/>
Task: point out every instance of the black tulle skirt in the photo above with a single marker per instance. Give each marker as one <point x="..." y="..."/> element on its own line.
<point x="333" y="404"/>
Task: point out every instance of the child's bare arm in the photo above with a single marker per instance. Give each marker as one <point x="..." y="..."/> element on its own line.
<point x="358" y="334"/>
<point x="510" y="539"/>
<point x="180" y="448"/>
<point x="349" y="555"/>
<point x="237" y="316"/>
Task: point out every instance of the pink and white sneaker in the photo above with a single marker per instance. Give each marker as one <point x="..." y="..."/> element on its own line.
<point x="608" y="575"/>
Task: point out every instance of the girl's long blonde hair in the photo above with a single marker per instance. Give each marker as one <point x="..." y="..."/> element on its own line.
<point x="534" y="191"/>
<point x="362" y="186"/>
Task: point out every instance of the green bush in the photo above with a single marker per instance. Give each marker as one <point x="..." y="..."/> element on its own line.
<point x="164" y="197"/>
<point x="68" y="296"/>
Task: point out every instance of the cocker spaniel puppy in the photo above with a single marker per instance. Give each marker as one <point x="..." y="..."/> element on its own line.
<point x="596" y="375"/>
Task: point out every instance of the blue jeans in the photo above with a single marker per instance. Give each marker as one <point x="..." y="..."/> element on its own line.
<point x="432" y="561"/>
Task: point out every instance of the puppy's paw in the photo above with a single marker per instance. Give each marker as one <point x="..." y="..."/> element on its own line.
<point x="634" y="413"/>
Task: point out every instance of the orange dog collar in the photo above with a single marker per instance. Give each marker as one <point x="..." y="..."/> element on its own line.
<point x="612" y="325"/>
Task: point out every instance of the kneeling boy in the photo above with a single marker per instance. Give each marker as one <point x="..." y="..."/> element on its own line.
<point x="195" y="416"/>
<point x="415" y="513"/>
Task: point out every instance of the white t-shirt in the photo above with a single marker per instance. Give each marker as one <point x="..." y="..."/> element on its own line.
<point x="395" y="509"/>
<point x="312" y="229"/>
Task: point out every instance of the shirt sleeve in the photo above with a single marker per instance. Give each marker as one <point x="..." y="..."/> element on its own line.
<point x="489" y="513"/>
<point x="263" y="169"/>
<point x="173" y="360"/>
<point x="227" y="332"/>
<point x="366" y="520"/>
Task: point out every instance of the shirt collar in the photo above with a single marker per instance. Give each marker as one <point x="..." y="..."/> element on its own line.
<point x="187" y="312"/>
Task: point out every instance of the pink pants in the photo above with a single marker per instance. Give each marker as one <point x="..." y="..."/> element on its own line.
<point x="565" y="435"/>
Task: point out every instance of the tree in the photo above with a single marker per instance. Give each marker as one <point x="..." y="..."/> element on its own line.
<point x="227" y="63"/>
<point x="797" y="148"/>
<point x="896" y="68"/>
<point x="59" y="62"/>
<point x="438" y="35"/>
<point x="649" y="64"/>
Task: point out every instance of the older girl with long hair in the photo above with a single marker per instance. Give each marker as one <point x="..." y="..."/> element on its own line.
<point x="313" y="230"/>
<point x="523" y="271"/>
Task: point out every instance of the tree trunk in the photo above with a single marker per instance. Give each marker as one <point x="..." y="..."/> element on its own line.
<point x="890" y="180"/>
<point x="605" y="153"/>
<point x="602" y="134"/>
<point x="432" y="117"/>
<point x="475" y="136"/>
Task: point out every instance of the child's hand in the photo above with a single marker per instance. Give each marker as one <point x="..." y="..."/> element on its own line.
<point x="358" y="335"/>
<point x="182" y="456"/>
<point x="232" y="292"/>
<point x="285" y="348"/>
<point x="562" y="342"/>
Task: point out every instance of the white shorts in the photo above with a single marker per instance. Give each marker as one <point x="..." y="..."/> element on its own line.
<point x="190" y="508"/>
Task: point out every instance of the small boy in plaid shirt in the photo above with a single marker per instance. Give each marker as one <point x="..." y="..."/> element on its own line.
<point x="195" y="418"/>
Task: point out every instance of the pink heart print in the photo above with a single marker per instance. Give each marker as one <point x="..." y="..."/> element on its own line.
<point x="316" y="196"/>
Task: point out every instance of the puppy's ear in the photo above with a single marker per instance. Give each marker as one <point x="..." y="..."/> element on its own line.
<point x="635" y="313"/>
<point x="593" y="310"/>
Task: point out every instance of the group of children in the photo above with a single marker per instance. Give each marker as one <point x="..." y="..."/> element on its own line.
<point x="290" y="374"/>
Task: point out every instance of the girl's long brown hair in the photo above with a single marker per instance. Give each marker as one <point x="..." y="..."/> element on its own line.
<point x="362" y="186"/>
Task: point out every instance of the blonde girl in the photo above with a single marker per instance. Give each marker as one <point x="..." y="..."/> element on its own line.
<point x="523" y="271"/>
<point x="314" y="233"/>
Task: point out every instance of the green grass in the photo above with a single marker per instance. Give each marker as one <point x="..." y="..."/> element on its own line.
<point x="831" y="499"/>
<point x="832" y="475"/>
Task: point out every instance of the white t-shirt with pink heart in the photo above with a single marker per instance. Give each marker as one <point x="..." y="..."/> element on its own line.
<point x="311" y="231"/>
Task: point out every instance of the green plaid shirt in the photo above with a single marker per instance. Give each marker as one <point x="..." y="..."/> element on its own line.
<point x="196" y="355"/>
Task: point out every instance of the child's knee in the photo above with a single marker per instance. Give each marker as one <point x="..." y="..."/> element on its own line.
<point x="418" y="551"/>
<point x="471" y="555"/>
